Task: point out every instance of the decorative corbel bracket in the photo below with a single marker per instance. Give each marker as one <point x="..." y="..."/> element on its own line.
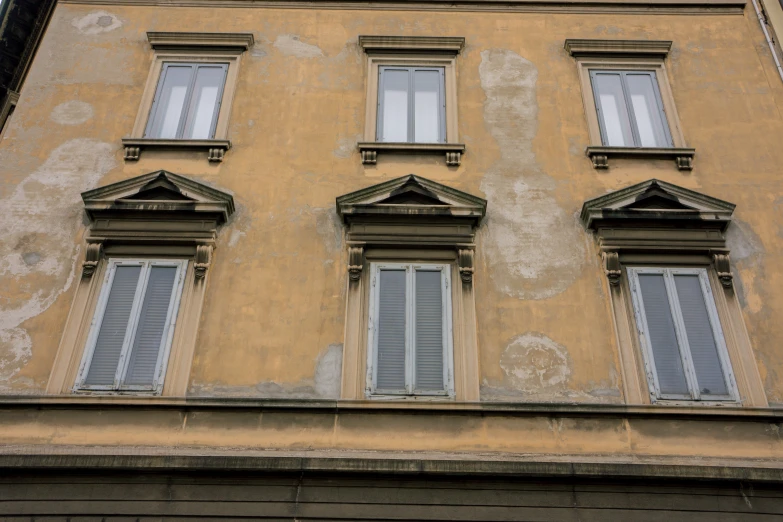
<point x="611" y="261"/>
<point x="355" y="262"/>
<point x="202" y="261"/>
<point x="723" y="268"/>
<point x="91" y="258"/>
<point x="465" y="261"/>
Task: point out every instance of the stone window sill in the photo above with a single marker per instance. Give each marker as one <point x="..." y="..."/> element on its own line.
<point x="453" y="151"/>
<point x="215" y="148"/>
<point x="601" y="155"/>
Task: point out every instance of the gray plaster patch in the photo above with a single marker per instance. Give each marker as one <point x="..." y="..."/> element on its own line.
<point x="96" y="22"/>
<point x="533" y="362"/>
<point x="534" y="248"/>
<point x="329" y="228"/>
<point x="41" y="216"/>
<point x="328" y="372"/>
<point x="291" y="45"/>
<point x="72" y="113"/>
<point x="346" y="147"/>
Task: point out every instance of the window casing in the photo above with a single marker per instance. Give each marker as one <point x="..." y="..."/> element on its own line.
<point x="411" y="104"/>
<point x="133" y="326"/>
<point x="680" y="334"/>
<point x="410" y="334"/>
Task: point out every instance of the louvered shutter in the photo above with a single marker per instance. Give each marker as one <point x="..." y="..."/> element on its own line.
<point x="390" y="372"/>
<point x="701" y="340"/>
<point x="428" y="345"/>
<point x="150" y="331"/>
<point x="114" y="326"/>
<point x="666" y="353"/>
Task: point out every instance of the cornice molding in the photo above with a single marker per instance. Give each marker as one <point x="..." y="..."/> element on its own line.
<point x="451" y="44"/>
<point x="181" y="40"/>
<point x="585" y="47"/>
<point x="686" y="7"/>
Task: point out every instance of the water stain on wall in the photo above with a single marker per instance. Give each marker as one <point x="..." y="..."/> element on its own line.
<point x="534" y="249"/>
<point x="72" y="113"/>
<point x="96" y="22"/>
<point x="291" y="45"/>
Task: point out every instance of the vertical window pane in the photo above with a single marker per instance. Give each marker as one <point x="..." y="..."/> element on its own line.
<point x="427" y="106"/>
<point x="395" y="105"/>
<point x="704" y="349"/>
<point x="170" y="102"/>
<point x="151" y="327"/>
<point x="666" y="353"/>
<point x="647" y="113"/>
<point x="391" y="330"/>
<point x="612" y="111"/>
<point x="429" y="331"/>
<point x="201" y="119"/>
<point x="114" y="326"/>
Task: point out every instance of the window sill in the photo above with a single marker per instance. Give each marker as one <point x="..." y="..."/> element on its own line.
<point x="453" y="151"/>
<point x="601" y="155"/>
<point x="215" y="148"/>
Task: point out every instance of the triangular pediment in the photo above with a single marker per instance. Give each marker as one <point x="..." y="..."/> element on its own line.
<point x="655" y="200"/>
<point x="411" y="195"/>
<point x="159" y="191"/>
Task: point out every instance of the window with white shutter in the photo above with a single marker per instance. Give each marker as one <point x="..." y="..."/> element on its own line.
<point x="681" y="336"/>
<point x="410" y="337"/>
<point x="133" y="326"/>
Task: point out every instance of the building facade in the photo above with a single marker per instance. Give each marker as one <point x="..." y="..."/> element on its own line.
<point x="428" y="260"/>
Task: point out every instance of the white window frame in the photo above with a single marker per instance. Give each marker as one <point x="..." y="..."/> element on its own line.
<point x="169" y="326"/>
<point x="410" y="332"/>
<point x="682" y="339"/>
<point x="411" y="109"/>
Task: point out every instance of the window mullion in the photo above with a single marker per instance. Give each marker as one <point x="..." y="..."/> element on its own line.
<point x="410" y="330"/>
<point x="133" y="321"/>
<point x="682" y="337"/>
<point x="637" y="140"/>
<point x="183" y="117"/>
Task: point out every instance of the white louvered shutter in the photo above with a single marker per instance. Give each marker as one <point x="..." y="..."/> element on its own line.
<point x="114" y="327"/>
<point x="701" y="340"/>
<point x="390" y="371"/>
<point x="428" y="345"/>
<point x="151" y="329"/>
<point x="662" y="335"/>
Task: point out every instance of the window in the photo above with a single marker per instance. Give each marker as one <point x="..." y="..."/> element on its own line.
<point x="410" y="330"/>
<point x="411" y="97"/>
<point x="133" y="326"/>
<point x="189" y="93"/>
<point x="630" y="110"/>
<point x="684" y="349"/>
<point x="7" y="109"/>
<point x="187" y="101"/>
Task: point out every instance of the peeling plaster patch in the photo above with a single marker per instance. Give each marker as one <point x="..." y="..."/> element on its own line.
<point x="328" y="372"/>
<point x="72" y="113"/>
<point x="42" y="215"/>
<point x="236" y="235"/>
<point x="746" y="254"/>
<point x="534" y="249"/>
<point x="533" y="361"/>
<point x="346" y="147"/>
<point x="329" y="227"/>
<point x="96" y="22"/>
<point x="291" y="45"/>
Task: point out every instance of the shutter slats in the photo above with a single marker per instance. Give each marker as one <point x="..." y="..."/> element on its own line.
<point x="151" y="326"/>
<point x="666" y="353"/>
<point x="429" y="331"/>
<point x="701" y="340"/>
<point x="108" y="346"/>
<point x="391" y="330"/>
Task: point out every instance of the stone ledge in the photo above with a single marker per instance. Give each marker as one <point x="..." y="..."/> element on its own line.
<point x="216" y="149"/>
<point x="370" y="149"/>
<point x="182" y="40"/>
<point x="584" y="47"/>
<point x="601" y="155"/>
<point x="450" y="44"/>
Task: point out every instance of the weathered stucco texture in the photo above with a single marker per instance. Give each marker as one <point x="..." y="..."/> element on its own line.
<point x="272" y="324"/>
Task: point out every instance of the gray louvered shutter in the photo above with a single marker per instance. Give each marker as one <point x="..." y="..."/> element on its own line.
<point x="150" y="330"/>
<point x="391" y="330"/>
<point x="429" y="331"/>
<point x="666" y="353"/>
<point x="114" y="326"/>
<point x="704" y="349"/>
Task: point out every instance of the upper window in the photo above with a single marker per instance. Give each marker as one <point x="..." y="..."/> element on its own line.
<point x="410" y="330"/>
<point x="684" y="349"/>
<point x="128" y="344"/>
<point x="411" y="105"/>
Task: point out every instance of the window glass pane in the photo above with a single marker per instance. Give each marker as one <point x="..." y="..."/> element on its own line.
<point x="704" y="350"/>
<point x="151" y="327"/>
<point x="427" y="106"/>
<point x="429" y="331"/>
<point x="391" y="330"/>
<point x="395" y="105"/>
<point x="170" y="102"/>
<point x="111" y="335"/>
<point x="666" y="353"/>
<point x="209" y="82"/>
<point x="648" y="115"/>
<point x="612" y="111"/>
